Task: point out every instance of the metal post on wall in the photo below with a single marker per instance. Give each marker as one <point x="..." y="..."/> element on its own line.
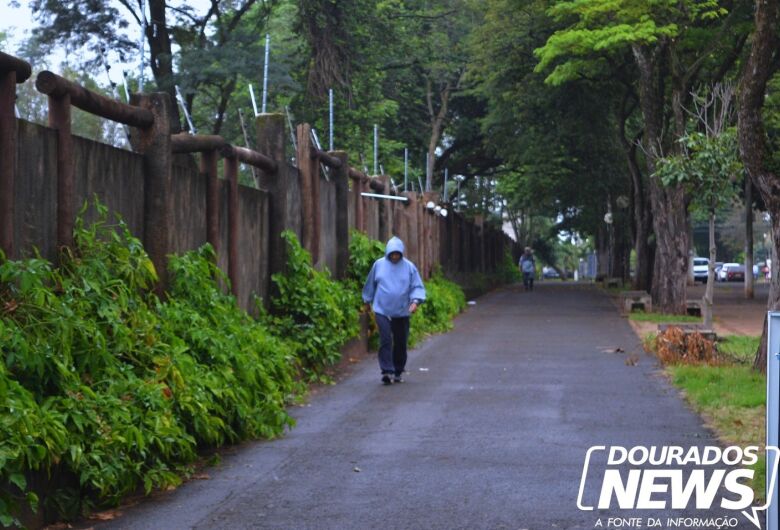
<point x="142" y="46"/>
<point x="254" y="101"/>
<point x="330" y="119"/>
<point x="772" y="416"/>
<point x="264" y="104"/>
<point x="406" y="168"/>
<point x="376" y="149"/>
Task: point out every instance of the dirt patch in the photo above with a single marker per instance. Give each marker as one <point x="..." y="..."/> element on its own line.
<point x="733" y="313"/>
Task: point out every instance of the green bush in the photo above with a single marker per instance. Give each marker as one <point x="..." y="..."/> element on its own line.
<point x="444" y="300"/>
<point x="117" y="389"/>
<point x="363" y="252"/>
<point x="320" y="313"/>
<point x="103" y="383"/>
<point x="228" y="385"/>
<point x="76" y="342"/>
<point x="508" y="271"/>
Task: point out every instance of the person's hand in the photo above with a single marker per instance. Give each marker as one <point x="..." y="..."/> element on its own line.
<point x="412" y="308"/>
<point x="366" y="307"/>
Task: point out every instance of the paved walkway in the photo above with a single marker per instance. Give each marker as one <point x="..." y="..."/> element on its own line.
<point x="490" y="431"/>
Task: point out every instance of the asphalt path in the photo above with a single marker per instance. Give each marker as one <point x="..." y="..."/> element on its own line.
<point x="490" y="430"/>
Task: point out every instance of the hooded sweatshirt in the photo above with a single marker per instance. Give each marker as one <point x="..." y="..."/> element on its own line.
<point x="392" y="287"/>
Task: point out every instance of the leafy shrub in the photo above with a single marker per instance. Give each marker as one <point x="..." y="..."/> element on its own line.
<point x="444" y="300"/>
<point x="229" y="385"/>
<point x="507" y="270"/>
<point x="107" y="385"/>
<point x="80" y="341"/>
<point x="363" y="252"/>
<point x="319" y="312"/>
<point x="103" y="382"/>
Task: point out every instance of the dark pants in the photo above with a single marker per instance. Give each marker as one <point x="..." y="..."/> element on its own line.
<point x="528" y="281"/>
<point x="393" y="334"/>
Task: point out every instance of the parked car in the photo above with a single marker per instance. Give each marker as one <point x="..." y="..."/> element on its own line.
<point x="718" y="266"/>
<point x="732" y="272"/>
<point x="550" y="273"/>
<point x="701" y="268"/>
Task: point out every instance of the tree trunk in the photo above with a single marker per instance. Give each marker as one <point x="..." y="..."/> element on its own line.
<point x="709" y="291"/>
<point x="670" y="276"/>
<point x="618" y="250"/>
<point x="691" y="254"/>
<point x="642" y="217"/>
<point x="759" y="68"/>
<point x="437" y="119"/>
<point x="602" y="252"/>
<point x="670" y="218"/>
<point x="749" y="294"/>
<point x="161" y="56"/>
<point x="643" y="224"/>
<point x="773" y="302"/>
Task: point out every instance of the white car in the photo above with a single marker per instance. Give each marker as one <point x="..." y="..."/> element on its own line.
<point x="731" y="272"/>
<point x="701" y="267"/>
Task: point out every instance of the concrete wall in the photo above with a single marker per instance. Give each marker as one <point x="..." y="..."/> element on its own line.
<point x="35" y="212"/>
<point x="116" y="177"/>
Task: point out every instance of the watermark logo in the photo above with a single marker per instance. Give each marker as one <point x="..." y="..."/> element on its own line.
<point x="676" y="478"/>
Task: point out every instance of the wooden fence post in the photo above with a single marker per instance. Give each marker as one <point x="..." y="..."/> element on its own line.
<point x="271" y="141"/>
<point x="305" y="170"/>
<point x="360" y="216"/>
<point x="457" y="243"/>
<point x="12" y="71"/>
<point x="154" y="143"/>
<point x="398" y="220"/>
<point x="410" y="227"/>
<point x="59" y="119"/>
<point x="421" y="236"/>
<point x="341" y="175"/>
<point x="8" y="135"/>
<point x="208" y="168"/>
<point x="449" y="248"/>
<point x="230" y="164"/>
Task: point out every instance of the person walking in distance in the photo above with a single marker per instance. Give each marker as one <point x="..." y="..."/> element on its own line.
<point x="393" y="290"/>
<point x="528" y="268"/>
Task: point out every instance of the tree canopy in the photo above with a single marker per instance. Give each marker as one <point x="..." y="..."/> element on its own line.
<point x="558" y="118"/>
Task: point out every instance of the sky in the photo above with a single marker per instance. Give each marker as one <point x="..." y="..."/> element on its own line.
<point x="17" y="22"/>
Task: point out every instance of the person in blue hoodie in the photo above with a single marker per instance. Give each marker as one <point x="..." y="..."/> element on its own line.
<point x="394" y="291"/>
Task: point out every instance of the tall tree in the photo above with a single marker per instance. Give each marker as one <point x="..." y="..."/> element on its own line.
<point x="757" y="150"/>
<point x="708" y="166"/>
<point x="397" y="64"/>
<point x="673" y="47"/>
<point x="214" y="43"/>
<point x="556" y="143"/>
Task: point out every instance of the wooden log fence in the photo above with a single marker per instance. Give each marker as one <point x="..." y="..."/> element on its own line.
<point x="430" y="239"/>
<point x="12" y="71"/>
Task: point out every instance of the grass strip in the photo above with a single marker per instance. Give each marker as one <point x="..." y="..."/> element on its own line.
<point x="662" y="318"/>
<point x="740" y="348"/>
<point x="732" y="399"/>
